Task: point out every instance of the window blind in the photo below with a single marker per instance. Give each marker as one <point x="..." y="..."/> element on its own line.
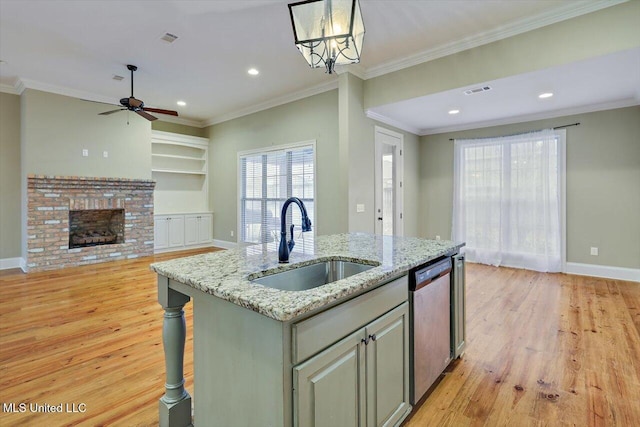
<point x="267" y="180"/>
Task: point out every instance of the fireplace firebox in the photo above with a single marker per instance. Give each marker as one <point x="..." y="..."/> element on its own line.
<point x="91" y="227"/>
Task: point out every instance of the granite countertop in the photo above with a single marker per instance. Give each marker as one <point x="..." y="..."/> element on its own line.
<point x="225" y="274"/>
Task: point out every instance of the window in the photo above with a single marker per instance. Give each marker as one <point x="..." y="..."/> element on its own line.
<point x="269" y="178"/>
<point x="508" y="199"/>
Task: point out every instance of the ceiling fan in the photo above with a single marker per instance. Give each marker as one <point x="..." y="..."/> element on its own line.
<point x="137" y="106"/>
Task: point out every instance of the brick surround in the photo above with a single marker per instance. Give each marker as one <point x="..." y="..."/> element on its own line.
<point x="49" y="200"/>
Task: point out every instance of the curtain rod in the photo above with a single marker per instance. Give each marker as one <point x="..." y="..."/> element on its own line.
<point x="557" y="127"/>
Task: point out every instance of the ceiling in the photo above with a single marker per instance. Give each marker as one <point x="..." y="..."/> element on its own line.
<point x="76" y="48"/>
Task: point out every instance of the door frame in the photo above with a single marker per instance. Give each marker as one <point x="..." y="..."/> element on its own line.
<point x="399" y="188"/>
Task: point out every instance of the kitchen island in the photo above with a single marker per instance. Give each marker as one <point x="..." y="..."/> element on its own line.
<point x="265" y="356"/>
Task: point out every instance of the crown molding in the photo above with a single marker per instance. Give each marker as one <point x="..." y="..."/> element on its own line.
<point x="562" y="13"/>
<point x="612" y="105"/>
<point x="355" y="69"/>
<point x="16" y="89"/>
<point x="285" y="99"/>
<point x="392" y="122"/>
<point x="181" y="121"/>
<point x="65" y="91"/>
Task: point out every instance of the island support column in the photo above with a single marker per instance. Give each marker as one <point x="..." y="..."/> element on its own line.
<point x="175" y="405"/>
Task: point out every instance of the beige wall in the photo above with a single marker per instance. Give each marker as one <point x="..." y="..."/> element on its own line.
<point x="315" y="117"/>
<point x="57" y="128"/>
<point x="608" y="30"/>
<point x="9" y="176"/>
<point x="178" y="128"/>
<point x="358" y="136"/>
<point x="603" y="183"/>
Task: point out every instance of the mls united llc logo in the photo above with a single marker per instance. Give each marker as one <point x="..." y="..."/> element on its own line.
<point x="66" y="408"/>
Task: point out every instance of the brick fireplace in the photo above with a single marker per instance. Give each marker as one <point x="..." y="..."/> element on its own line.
<point x="75" y="221"/>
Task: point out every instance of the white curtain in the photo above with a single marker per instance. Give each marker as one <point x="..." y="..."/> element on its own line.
<point x="507" y="199"/>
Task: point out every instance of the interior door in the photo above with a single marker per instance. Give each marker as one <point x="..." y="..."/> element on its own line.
<point x="388" y="182"/>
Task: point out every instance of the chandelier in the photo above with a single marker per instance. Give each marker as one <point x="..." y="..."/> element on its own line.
<point x="327" y="32"/>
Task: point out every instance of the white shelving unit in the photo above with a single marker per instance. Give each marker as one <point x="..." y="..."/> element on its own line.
<point x="179" y="165"/>
<point x="179" y="154"/>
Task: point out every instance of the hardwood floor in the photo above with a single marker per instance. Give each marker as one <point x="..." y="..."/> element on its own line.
<point x="543" y="350"/>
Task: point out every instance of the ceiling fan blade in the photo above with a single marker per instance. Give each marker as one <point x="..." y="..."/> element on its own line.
<point x="161" y="111"/>
<point x="146" y="115"/>
<point x="134" y="103"/>
<point x="106" y="113"/>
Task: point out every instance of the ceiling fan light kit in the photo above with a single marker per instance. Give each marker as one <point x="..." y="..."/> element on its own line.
<point x="328" y="32"/>
<point x="137" y="106"/>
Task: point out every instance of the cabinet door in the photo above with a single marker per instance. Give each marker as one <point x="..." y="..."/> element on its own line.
<point x="388" y="368"/>
<point x="191" y="229"/>
<point x="204" y="229"/>
<point x="329" y="388"/>
<point x="161" y="232"/>
<point x="176" y="231"/>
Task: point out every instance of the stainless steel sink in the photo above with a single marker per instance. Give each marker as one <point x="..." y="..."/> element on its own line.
<point x="312" y="276"/>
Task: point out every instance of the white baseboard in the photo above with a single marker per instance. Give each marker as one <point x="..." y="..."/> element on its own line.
<point x="224" y="244"/>
<point x="619" y="273"/>
<point x="7" y="263"/>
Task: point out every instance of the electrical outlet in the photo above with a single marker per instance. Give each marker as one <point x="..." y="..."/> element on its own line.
<point x="85" y="152"/>
<point x="437" y="237"/>
<point x="594" y="251"/>
<point x="360" y="207"/>
<point x="105" y="154"/>
<point x="231" y="233"/>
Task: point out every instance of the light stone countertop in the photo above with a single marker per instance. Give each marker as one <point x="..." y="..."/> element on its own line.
<point x="225" y="274"/>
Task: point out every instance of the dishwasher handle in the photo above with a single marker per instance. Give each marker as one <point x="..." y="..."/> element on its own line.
<point x="426" y="275"/>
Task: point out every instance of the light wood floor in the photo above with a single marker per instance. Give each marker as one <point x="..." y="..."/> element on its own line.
<point x="543" y="349"/>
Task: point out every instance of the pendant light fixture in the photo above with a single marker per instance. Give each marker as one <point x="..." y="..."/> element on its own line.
<point x="328" y="32"/>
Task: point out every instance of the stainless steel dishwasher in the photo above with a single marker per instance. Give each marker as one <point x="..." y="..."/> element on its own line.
<point x="430" y="314"/>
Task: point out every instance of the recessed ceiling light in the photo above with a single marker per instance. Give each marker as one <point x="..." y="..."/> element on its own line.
<point x="181" y="103"/>
<point x="545" y="95"/>
<point x="454" y="112"/>
<point x="253" y="71"/>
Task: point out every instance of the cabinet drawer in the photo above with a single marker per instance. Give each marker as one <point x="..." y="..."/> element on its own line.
<point x="312" y="335"/>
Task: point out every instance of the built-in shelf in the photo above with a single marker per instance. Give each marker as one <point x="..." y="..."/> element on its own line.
<point x="173" y="156"/>
<point x="189" y="172"/>
<point x="178" y="154"/>
<point x="179" y="166"/>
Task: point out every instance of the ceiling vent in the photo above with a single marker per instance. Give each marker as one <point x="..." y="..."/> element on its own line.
<point x="477" y="90"/>
<point x="117" y="77"/>
<point x="169" y="38"/>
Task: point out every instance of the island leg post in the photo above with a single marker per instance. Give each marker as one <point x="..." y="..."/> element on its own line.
<point x="175" y="405"/>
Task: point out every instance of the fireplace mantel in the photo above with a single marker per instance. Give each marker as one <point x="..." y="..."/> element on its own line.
<point x="51" y="198"/>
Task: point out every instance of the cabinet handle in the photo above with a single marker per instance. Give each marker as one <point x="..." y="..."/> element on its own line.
<point x="366" y="340"/>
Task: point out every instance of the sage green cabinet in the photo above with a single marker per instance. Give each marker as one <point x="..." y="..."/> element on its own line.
<point x="363" y="380"/>
<point x="323" y="369"/>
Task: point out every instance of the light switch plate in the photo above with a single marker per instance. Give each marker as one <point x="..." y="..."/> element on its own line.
<point x="594" y="251"/>
<point x="360" y="207"/>
<point x="85" y="152"/>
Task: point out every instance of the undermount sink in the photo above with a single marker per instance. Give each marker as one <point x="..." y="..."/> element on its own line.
<point x="312" y="276"/>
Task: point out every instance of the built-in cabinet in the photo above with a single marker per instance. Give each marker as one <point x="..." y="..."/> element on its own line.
<point x="182" y="231"/>
<point x="360" y="381"/>
<point x="347" y="365"/>
<point x="179" y="165"/>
